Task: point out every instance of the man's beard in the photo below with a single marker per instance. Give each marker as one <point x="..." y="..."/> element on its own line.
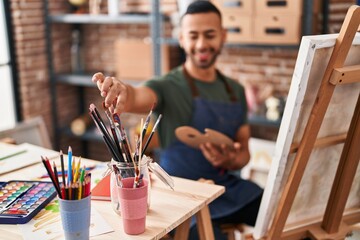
<point x="207" y="64"/>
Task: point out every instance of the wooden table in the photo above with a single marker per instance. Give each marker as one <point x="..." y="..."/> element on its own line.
<point x="168" y="209"/>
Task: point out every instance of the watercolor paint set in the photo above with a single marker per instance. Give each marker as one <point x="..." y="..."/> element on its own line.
<point x="20" y="201"/>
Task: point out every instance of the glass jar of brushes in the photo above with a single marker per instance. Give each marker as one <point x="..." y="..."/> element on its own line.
<point x="121" y="170"/>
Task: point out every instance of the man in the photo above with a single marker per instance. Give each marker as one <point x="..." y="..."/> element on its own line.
<point x="198" y="95"/>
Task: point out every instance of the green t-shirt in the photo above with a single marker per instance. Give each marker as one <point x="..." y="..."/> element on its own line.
<point x="175" y="100"/>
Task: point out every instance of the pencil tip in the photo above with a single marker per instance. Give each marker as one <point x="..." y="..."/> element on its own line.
<point x="69" y="149"/>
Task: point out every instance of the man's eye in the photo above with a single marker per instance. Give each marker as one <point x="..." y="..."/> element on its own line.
<point x="210" y="36"/>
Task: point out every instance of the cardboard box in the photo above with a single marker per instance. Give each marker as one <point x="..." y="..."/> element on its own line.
<point x="278" y="7"/>
<point x="277" y="29"/>
<point x="134" y="59"/>
<point x="235" y="6"/>
<point x="239" y="28"/>
<point x="144" y="6"/>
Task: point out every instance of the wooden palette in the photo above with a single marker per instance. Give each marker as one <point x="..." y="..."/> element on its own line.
<point x="193" y="138"/>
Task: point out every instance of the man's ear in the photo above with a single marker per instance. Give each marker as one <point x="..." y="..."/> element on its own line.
<point x="181" y="39"/>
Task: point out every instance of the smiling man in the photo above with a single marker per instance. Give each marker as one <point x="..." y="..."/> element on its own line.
<point x="196" y="94"/>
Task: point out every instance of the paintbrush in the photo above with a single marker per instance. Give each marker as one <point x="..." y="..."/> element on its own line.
<point x="114" y="132"/>
<point x="147" y="121"/>
<point x="151" y="134"/>
<point x="107" y="138"/>
<point x="123" y="138"/>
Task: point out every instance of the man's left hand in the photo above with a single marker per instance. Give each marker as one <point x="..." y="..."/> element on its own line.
<point x="223" y="156"/>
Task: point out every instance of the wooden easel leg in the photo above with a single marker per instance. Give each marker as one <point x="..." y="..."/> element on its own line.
<point x="317" y="232"/>
<point x="302" y="157"/>
<point x="204" y="224"/>
<point x="324" y="95"/>
<point x="182" y="231"/>
<point x="345" y="175"/>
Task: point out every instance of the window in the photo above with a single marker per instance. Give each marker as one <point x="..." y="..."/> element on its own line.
<point x="7" y="98"/>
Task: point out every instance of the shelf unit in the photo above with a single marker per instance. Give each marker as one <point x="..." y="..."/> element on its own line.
<point x="154" y="19"/>
<point x="99" y="19"/>
<point x="307" y="24"/>
<point x="83" y="80"/>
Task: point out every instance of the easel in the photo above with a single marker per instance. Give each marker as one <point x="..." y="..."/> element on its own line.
<point x="334" y="224"/>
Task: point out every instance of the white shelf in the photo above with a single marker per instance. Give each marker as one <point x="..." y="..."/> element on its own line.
<point x="100" y="19"/>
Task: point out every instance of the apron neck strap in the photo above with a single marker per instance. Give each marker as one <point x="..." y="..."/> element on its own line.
<point x="194" y="90"/>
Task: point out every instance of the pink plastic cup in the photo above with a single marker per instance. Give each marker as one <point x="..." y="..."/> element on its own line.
<point x="133" y="205"/>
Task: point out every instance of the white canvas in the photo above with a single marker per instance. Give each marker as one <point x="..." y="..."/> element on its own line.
<point x="310" y="201"/>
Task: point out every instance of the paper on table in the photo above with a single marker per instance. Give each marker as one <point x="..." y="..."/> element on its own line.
<point x="9" y="150"/>
<point x="19" y="156"/>
<point x="47" y="224"/>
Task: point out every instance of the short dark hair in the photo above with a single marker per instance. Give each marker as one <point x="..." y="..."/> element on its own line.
<point x="201" y="7"/>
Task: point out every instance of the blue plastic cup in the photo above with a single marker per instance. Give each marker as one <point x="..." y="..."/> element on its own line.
<point x="75" y="218"/>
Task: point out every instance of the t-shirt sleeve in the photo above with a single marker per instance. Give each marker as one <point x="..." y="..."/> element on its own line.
<point x="156" y="85"/>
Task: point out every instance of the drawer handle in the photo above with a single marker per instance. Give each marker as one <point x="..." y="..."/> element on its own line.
<point x="276" y="3"/>
<point x="275" y="31"/>
<point x="233" y="30"/>
<point x="233" y="4"/>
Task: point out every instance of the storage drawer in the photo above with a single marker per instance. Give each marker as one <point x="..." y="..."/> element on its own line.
<point x="277" y="29"/>
<point x="239" y="28"/>
<point x="235" y="6"/>
<point x="278" y="7"/>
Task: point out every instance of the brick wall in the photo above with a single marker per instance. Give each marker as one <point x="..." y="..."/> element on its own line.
<point x="260" y="67"/>
<point x="30" y="44"/>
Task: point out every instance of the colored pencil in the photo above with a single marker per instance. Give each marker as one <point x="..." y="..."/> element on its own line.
<point x="56" y="177"/>
<point x="81" y="181"/>
<point x="62" y="167"/>
<point x="77" y="170"/>
<point x="69" y="166"/>
<point x="75" y="188"/>
<point x="60" y="173"/>
<point x="48" y="169"/>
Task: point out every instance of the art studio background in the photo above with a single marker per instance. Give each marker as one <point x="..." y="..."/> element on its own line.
<point x="51" y="56"/>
